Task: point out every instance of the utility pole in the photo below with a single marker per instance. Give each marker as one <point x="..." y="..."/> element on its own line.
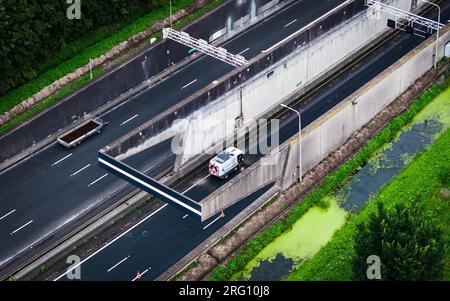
<point x="299" y="140"/>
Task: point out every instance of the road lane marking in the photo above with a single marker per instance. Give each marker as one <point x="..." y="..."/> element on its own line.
<point x="98" y="179"/>
<point x="185" y="216"/>
<point x="80" y="170"/>
<point x="290" y="23"/>
<point x="60" y="160"/>
<point x="108" y="244"/>
<point x="20" y="228"/>
<point x="187" y="85"/>
<point x="195" y="184"/>
<point x="10" y="212"/>
<point x="307" y="26"/>
<point x="141" y="274"/>
<point x="212" y="222"/>
<point x="129" y="119"/>
<point x="243" y="51"/>
<point x="117" y="264"/>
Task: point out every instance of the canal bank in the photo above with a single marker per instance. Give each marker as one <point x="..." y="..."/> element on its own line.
<point x="364" y="151"/>
<point x="316" y="228"/>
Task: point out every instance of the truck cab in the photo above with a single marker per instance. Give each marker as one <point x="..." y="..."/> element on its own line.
<point x="226" y="162"/>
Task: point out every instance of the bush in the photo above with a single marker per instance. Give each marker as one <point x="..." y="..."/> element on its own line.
<point x="417" y="182"/>
<point x="444" y="175"/>
<point x="410" y="246"/>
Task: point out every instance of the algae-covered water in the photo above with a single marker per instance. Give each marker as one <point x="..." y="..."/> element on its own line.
<point x="314" y="229"/>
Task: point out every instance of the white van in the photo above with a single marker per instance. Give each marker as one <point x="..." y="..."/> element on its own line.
<point x="226" y="162"/>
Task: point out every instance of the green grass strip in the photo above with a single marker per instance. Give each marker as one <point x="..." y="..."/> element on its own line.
<point x="330" y="184"/>
<point x="47" y="102"/>
<point x="92" y="50"/>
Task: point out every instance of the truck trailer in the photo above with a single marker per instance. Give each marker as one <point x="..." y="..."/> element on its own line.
<point x="76" y="135"/>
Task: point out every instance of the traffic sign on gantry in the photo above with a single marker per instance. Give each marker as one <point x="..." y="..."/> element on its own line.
<point x="203" y="46"/>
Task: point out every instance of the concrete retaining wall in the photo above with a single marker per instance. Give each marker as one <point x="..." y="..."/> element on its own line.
<point x="137" y="70"/>
<point x="280" y="82"/>
<point x="329" y="132"/>
<point x="250" y="92"/>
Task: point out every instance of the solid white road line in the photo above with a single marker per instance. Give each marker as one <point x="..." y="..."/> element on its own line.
<point x="20" y="228"/>
<point x="187" y="85"/>
<point x="77" y="172"/>
<point x="243" y="51"/>
<point x="212" y="222"/>
<point x="117" y="264"/>
<point x="60" y="160"/>
<point x="185" y="216"/>
<point x="10" y="212"/>
<point x="290" y="23"/>
<point x="98" y="179"/>
<point x="142" y="274"/>
<point x="128" y="120"/>
<point x="108" y="244"/>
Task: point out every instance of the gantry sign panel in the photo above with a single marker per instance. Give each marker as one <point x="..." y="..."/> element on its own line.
<point x="153" y="187"/>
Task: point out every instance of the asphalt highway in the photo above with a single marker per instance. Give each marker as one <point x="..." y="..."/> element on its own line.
<point x="43" y="196"/>
<point x="150" y="249"/>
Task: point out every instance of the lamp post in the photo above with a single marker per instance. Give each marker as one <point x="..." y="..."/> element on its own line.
<point x="437" y="33"/>
<point x="299" y="139"/>
<point x="170" y="18"/>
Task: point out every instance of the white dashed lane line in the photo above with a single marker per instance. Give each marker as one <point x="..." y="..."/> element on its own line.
<point x="212" y="222"/>
<point x="20" y="228"/>
<point x="187" y="85"/>
<point x="117" y="264"/>
<point x="129" y="119"/>
<point x="141" y="274"/>
<point x="60" y="160"/>
<point x="99" y="179"/>
<point x="290" y="23"/>
<point x="7" y="214"/>
<point x="80" y="170"/>
<point x="243" y="51"/>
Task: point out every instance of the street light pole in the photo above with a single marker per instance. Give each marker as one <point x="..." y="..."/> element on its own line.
<point x="437" y="33"/>
<point x="170" y="18"/>
<point x="299" y="140"/>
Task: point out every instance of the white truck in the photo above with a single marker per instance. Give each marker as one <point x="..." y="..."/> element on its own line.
<point x="226" y="162"/>
<point x="75" y="136"/>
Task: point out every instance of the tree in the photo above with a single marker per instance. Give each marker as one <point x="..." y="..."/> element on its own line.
<point x="410" y="245"/>
<point x="32" y="32"/>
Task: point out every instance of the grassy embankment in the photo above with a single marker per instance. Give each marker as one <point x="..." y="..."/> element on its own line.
<point x="425" y="179"/>
<point x="78" y="53"/>
<point x="329" y="185"/>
